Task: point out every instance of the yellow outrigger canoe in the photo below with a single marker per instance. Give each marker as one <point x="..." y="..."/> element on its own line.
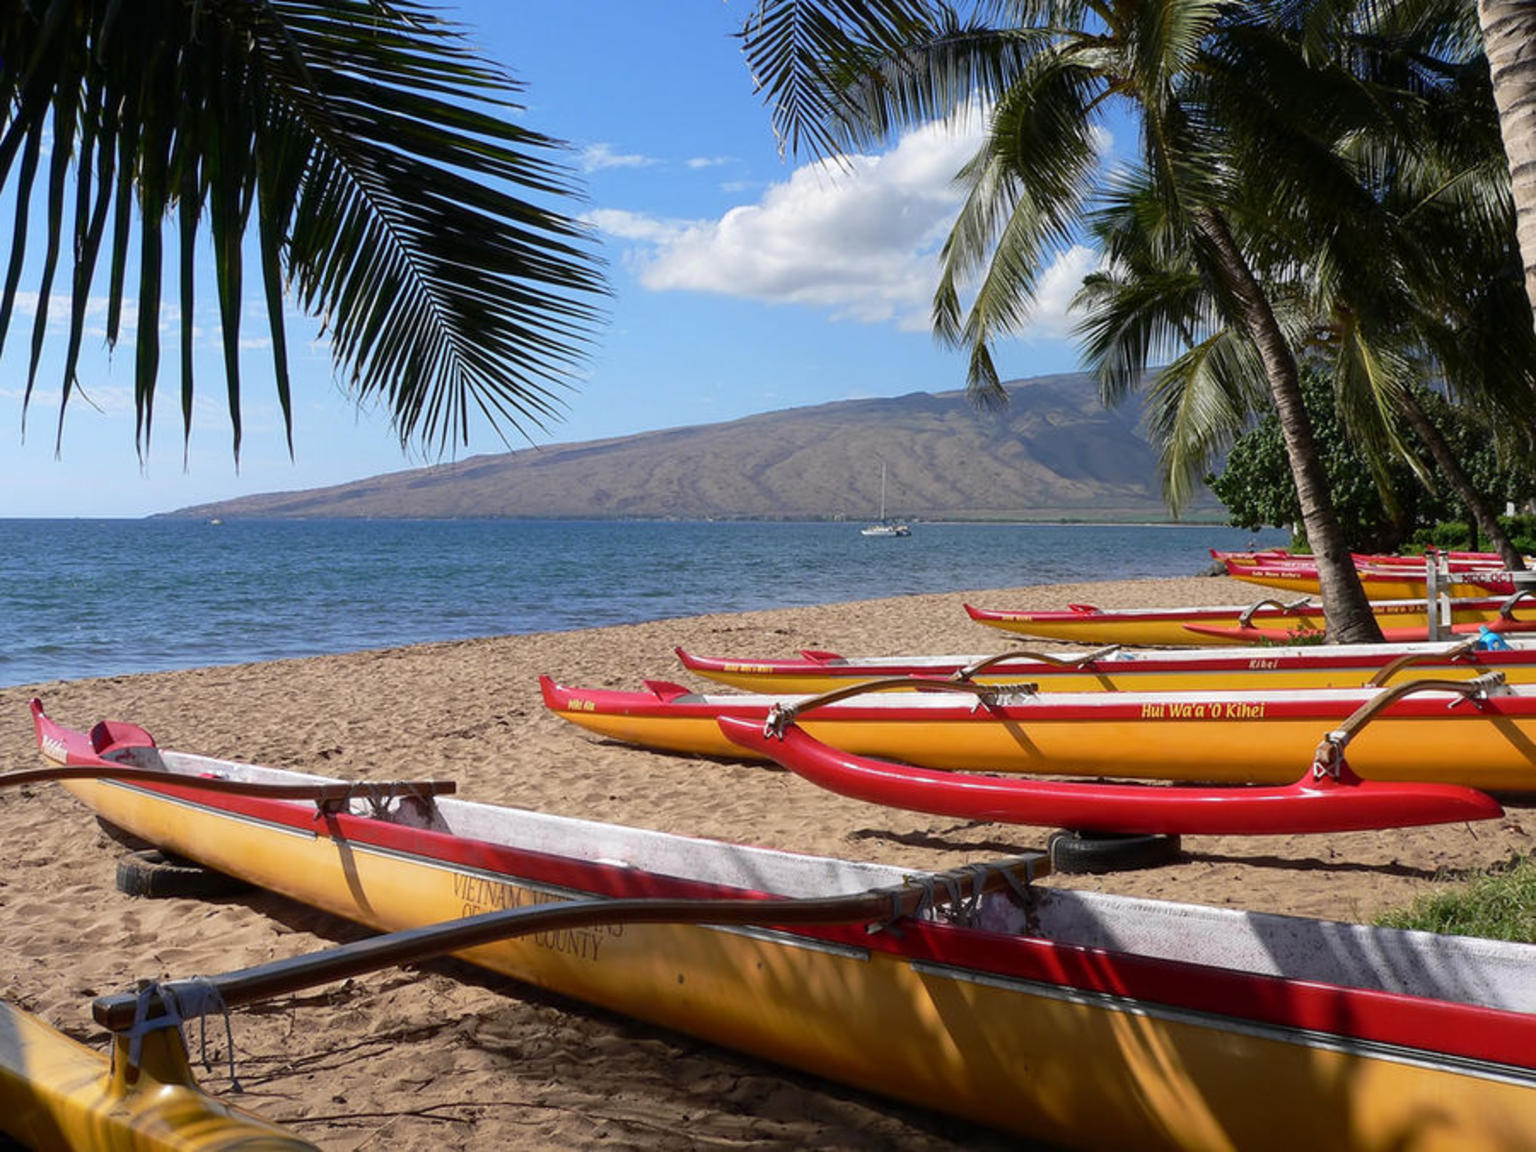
<point x="1117" y="668"/>
<point x="1379" y="582"/>
<point x="57" y="1095"/>
<point x="1479" y="733"/>
<point x="1084" y="1020"/>
<point x="1265" y="621"/>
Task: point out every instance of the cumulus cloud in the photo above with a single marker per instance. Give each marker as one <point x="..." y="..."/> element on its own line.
<point x="858" y="236"/>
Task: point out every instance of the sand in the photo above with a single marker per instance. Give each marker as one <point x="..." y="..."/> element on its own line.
<point x="444" y="1057"/>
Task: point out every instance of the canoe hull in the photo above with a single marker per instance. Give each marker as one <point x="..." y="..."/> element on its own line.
<point x="1224" y="738"/>
<point x="1378" y="585"/>
<point x="56" y="1093"/>
<point x="1333" y="666"/>
<point x="1085" y="624"/>
<point x="1073" y="1045"/>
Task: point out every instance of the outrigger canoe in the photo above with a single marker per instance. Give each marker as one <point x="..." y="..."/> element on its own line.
<point x="1380" y="582"/>
<point x="1085" y="1020"/>
<point x="1400" y="620"/>
<point x="1478" y="733"/>
<point x="1321" y="801"/>
<point x="56" y="1093"/>
<point x="1120" y="669"/>
<point x="1455" y="561"/>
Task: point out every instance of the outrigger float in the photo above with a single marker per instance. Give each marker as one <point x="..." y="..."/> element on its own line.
<point x="1329" y="797"/>
<point x="1480" y="733"/>
<point x="1116" y="668"/>
<point x="1084" y="1020"/>
<point x="1264" y="621"/>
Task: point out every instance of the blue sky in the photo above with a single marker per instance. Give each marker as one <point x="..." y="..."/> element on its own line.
<point x="742" y="281"/>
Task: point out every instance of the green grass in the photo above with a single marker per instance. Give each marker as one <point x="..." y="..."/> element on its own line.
<point x="1499" y="904"/>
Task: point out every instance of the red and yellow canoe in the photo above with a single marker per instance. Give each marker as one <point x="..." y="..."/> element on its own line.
<point x="1120" y="669"/>
<point x="57" y="1095"/>
<point x="1400" y="620"/>
<point x="1230" y="737"/>
<point x="1082" y="1020"/>
<point x="1381" y="582"/>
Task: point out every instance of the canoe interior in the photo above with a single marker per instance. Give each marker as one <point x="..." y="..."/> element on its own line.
<point x="1486" y="973"/>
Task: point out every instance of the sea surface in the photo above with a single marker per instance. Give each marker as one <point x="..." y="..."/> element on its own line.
<point x="82" y="598"/>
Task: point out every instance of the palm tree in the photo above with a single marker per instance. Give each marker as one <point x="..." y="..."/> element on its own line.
<point x="1509" y="38"/>
<point x="1414" y="288"/>
<point x="393" y="197"/>
<point x="847" y="73"/>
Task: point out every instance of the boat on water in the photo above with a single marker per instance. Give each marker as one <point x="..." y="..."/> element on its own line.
<point x="1084" y="1020"/>
<point x="1318" y="802"/>
<point x="1116" y="668"/>
<point x="1266" y="620"/>
<point x="885" y="526"/>
<point x="1479" y="733"/>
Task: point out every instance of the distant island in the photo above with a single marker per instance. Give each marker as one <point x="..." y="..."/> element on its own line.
<point x="1053" y="453"/>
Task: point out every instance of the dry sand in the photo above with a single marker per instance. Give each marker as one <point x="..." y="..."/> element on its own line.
<point x="443" y="1056"/>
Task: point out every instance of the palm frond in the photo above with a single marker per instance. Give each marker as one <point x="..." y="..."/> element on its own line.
<point x="1196" y="407"/>
<point x="1025" y="188"/>
<point x="805" y="54"/>
<point x="392" y="188"/>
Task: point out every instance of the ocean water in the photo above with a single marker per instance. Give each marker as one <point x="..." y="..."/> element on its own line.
<point x="106" y="597"/>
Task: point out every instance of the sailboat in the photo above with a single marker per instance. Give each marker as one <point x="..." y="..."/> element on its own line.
<point x="884" y="527"/>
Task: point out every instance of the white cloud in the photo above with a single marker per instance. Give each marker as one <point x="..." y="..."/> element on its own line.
<point x="596" y="157"/>
<point x="1054" y="292"/>
<point x="858" y="236"/>
<point x="636" y="226"/>
<point x="707" y="161"/>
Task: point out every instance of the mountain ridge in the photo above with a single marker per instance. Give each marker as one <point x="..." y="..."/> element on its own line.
<point x="1053" y="452"/>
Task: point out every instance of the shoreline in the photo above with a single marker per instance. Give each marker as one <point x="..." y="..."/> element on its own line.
<point x="443" y="1056"/>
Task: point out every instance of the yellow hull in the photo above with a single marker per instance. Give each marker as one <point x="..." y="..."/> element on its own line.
<point x="1087" y="1071"/>
<point x="60" y="1095"/>
<point x="1126" y="677"/>
<point x="1231" y="742"/>
<point x="1377" y="586"/>
<point x="1169" y="630"/>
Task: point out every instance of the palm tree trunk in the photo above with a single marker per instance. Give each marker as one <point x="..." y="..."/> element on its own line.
<point x="1509" y="39"/>
<point x="1482" y="513"/>
<point x="1345" y="606"/>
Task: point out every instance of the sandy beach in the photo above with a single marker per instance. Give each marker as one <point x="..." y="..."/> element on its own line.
<point x="446" y="1057"/>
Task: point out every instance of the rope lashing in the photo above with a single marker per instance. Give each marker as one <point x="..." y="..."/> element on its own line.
<point x="193" y="998"/>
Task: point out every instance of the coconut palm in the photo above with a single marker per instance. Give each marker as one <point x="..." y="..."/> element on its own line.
<point x="1390" y="256"/>
<point x="1151" y="303"/>
<point x="1509" y="38"/>
<point x="394" y="197"/>
<point x="1418" y="285"/>
<point x="845" y="72"/>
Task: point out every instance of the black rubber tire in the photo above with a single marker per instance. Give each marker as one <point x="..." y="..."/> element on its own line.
<point x="157" y="874"/>
<point x="1079" y="853"/>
